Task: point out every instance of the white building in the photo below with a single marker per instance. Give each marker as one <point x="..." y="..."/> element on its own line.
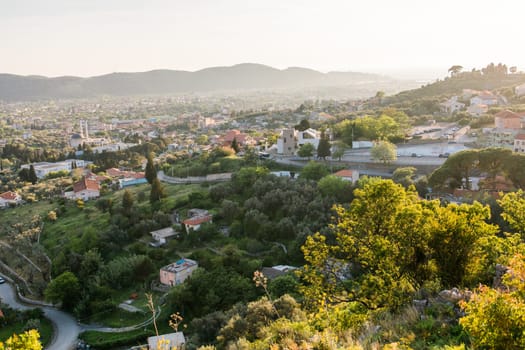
<point x="484" y="99"/>
<point x="520" y="90"/>
<point x="42" y="169"/>
<point x="162" y="235"/>
<point x="290" y="140"/>
<point x="452" y="105"/>
<point x="477" y="110"/>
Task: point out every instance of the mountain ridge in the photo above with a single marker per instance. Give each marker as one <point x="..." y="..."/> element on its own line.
<point x="241" y="76"/>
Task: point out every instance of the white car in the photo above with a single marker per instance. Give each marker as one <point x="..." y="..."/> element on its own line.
<point x="2" y="280"/>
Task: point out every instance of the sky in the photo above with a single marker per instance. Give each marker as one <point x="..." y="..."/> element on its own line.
<point x="397" y="37"/>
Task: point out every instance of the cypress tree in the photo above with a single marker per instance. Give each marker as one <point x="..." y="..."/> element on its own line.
<point x="323" y="149"/>
<point x="151" y="173"/>
<point x="32" y="175"/>
<point x="157" y="191"/>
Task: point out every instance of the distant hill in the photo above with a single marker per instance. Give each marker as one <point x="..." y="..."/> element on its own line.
<point x="238" y="77"/>
<point x="450" y="86"/>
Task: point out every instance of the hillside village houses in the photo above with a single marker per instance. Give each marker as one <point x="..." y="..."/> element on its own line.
<point x="348" y="175"/>
<point x="477" y="110"/>
<point x="452" y="105"/>
<point x="9" y="198"/>
<point x="508" y="125"/>
<point x="520" y="90"/>
<point x="162" y="236"/>
<point x="290" y="140"/>
<point x="196" y="217"/>
<point x="519" y="143"/>
<point x="84" y="189"/>
<point x="175" y="273"/>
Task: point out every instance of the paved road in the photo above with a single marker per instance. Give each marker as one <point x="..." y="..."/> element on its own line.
<point x="66" y="328"/>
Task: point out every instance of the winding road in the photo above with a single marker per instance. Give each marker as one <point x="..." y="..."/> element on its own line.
<point x="66" y="328"/>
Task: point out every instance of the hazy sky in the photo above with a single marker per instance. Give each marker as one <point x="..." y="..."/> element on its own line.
<point x="93" y="37"/>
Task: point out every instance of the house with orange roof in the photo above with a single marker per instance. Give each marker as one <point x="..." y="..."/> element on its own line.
<point x="507" y="120"/>
<point x="348" y="175"/>
<point x="242" y="139"/>
<point x="9" y="198"/>
<point x="195" y="223"/>
<point x="84" y="189"/>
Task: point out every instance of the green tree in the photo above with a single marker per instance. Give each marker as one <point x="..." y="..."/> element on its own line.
<point x="32" y="175"/>
<point x="457" y="233"/>
<point x="306" y="150"/>
<point x="492" y="161"/>
<point x="495" y="318"/>
<point x="151" y="172"/>
<point x="404" y="176"/>
<point x="303" y="125"/>
<point x="334" y="186"/>
<point x="513" y="205"/>
<point x="457" y="170"/>
<point x="235" y="145"/>
<point x="157" y="191"/>
<point x="379" y="254"/>
<point x="314" y="171"/>
<point x="64" y="289"/>
<point x="127" y="201"/>
<point x="339" y="150"/>
<point x="455" y="70"/>
<point x="323" y="149"/>
<point x="384" y="151"/>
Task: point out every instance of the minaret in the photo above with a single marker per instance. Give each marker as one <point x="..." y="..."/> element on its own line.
<point x="87" y="132"/>
<point x="81" y="129"/>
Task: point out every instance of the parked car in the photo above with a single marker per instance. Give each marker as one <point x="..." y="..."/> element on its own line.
<point x="2" y="280"/>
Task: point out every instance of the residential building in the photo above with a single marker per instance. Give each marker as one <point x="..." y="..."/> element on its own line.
<point x="286" y="143"/>
<point x="161" y="236"/>
<point x="290" y="140"/>
<point x="507" y="120"/>
<point x="175" y="273"/>
<point x="167" y="341"/>
<point x="242" y="139"/>
<point x="277" y="270"/>
<point x="84" y="189"/>
<point x="485" y="98"/>
<point x="195" y="223"/>
<point x="468" y="93"/>
<point x="42" y="169"/>
<point x="520" y="90"/>
<point x="310" y="135"/>
<point x="477" y="110"/>
<point x="9" y="198"/>
<point x="348" y="175"/>
<point x="519" y="143"/>
<point x="452" y="105"/>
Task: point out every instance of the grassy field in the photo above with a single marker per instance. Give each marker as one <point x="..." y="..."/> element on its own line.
<point x="100" y="340"/>
<point x="74" y="222"/>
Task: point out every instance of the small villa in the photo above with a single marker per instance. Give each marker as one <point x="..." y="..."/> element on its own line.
<point x="175" y="273"/>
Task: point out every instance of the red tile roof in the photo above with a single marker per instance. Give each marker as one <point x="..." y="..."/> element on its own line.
<point x="86" y="184"/>
<point x="10" y="196"/>
<point x="197" y="220"/>
<point x="506" y="114"/>
<point x="114" y="172"/>
<point x="344" y="173"/>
